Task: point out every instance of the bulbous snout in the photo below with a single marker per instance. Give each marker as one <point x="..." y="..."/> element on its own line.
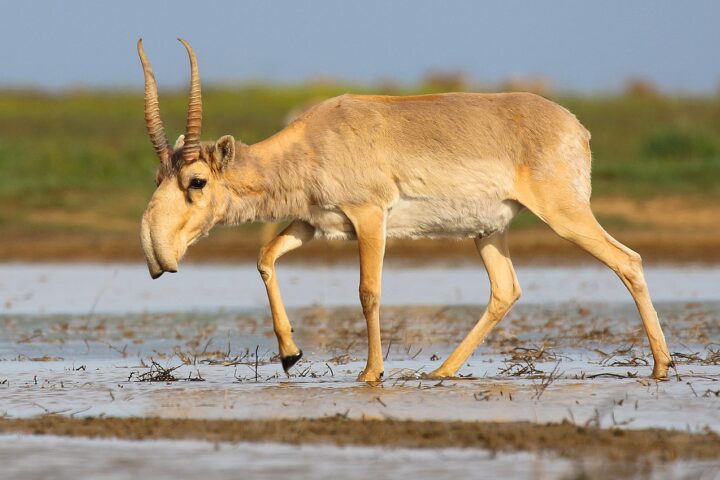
<point x="159" y="254"/>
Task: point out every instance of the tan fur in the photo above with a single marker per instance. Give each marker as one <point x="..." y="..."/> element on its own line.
<point x="455" y="165"/>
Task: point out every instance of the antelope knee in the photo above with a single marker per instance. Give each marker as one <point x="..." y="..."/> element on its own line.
<point x="632" y="270"/>
<point x="501" y="302"/>
<point x="369" y="297"/>
<point x="266" y="266"/>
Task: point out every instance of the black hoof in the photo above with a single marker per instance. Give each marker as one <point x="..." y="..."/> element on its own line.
<point x="288" y="362"/>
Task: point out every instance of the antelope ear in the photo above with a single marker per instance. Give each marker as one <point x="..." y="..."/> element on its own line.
<point x="179" y="142"/>
<point x="225" y="151"/>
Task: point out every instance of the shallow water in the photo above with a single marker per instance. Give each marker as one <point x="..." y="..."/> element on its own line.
<point x="90" y="366"/>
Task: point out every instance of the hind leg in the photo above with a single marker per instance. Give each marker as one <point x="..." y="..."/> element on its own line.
<point x="504" y="291"/>
<point x="574" y="221"/>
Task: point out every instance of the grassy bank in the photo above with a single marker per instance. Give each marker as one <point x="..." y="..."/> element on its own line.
<point x="80" y="162"/>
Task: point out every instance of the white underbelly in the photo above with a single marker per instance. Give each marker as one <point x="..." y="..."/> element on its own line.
<point x="422" y="218"/>
<point x="332" y="223"/>
<point x="456" y="218"/>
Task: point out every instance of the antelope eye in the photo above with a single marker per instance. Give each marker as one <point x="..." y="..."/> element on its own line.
<point x="197" y="183"/>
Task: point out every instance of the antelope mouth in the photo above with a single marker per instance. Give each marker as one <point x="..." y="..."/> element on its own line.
<point x="158" y="264"/>
<point x="162" y="270"/>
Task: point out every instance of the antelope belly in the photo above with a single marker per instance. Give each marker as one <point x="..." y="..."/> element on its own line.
<point x="449" y="218"/>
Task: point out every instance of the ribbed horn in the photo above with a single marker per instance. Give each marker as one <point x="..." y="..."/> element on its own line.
<point x="194" y="115"/>
<point x="152" y="109"/>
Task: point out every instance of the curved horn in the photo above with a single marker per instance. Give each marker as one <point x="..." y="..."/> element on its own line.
<point x="152" y="109"/>
<point x="194" y="115"/>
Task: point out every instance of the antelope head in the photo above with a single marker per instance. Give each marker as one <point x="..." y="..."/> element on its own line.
<point x="191" y="194"/>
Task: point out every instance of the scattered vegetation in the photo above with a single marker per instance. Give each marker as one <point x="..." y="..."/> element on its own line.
<point x="158" y="373"/>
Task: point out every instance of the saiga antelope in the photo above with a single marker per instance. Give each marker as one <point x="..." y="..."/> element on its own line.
<point x="457" y="165"/>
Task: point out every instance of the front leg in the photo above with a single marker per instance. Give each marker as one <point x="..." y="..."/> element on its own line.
<point x="297" y="233"/>
<point x="369" y="223"/>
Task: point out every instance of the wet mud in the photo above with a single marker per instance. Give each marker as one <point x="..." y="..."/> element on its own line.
<point x="563" y="439"/>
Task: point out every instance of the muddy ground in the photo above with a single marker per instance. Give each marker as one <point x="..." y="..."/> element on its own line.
<point x="564" y="439"/>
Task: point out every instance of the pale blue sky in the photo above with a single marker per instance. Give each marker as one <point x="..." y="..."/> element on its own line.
<point x="578" y="45"/>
